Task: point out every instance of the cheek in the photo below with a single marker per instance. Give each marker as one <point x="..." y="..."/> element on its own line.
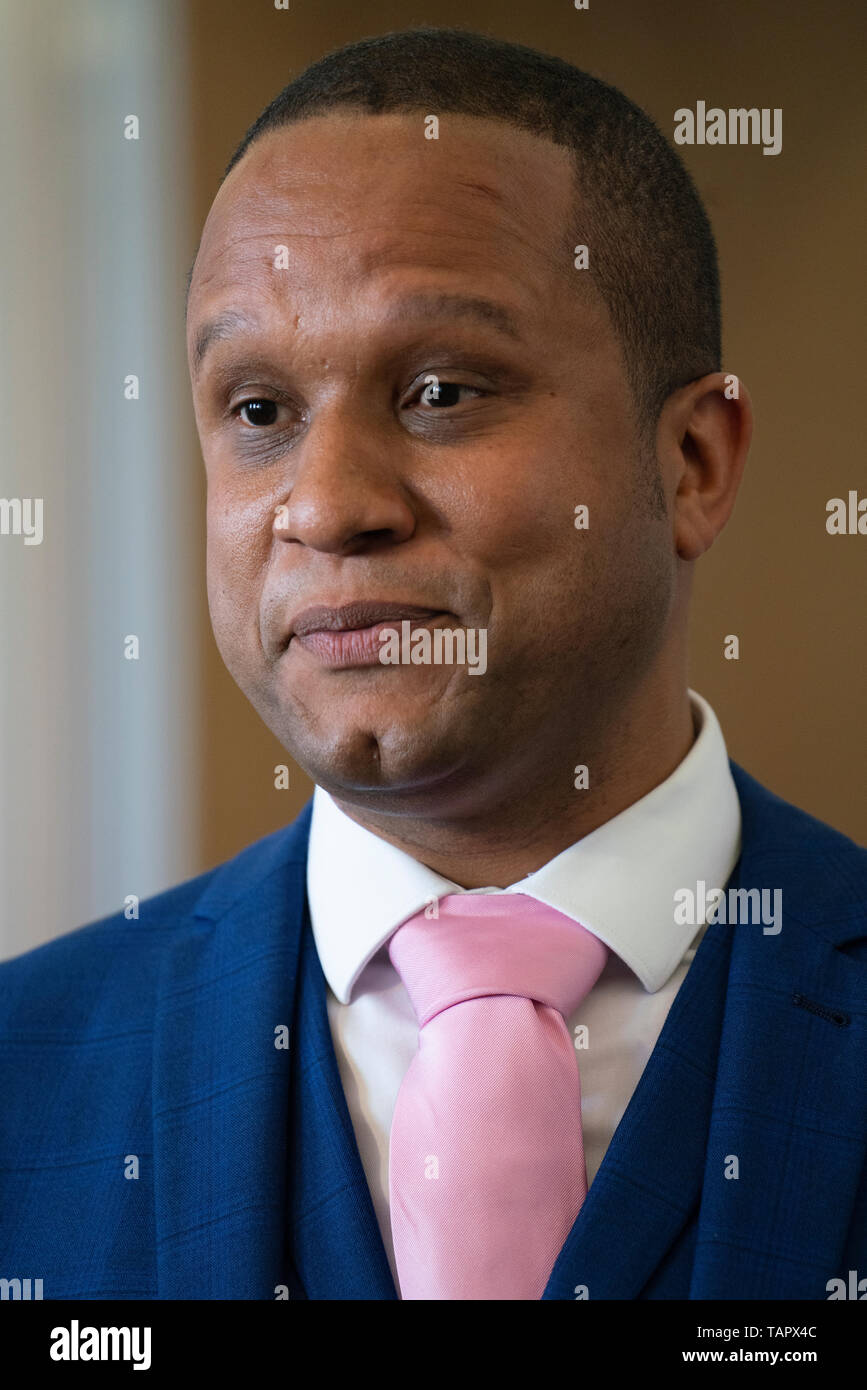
<point x="517" y="504"/>
<point x="239" y="537"/>
<point x="552" y="580"/>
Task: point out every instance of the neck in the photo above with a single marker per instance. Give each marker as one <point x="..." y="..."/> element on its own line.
<point x="523" y="825"/>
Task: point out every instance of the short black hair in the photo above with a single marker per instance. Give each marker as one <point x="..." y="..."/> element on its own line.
<point x="651" y="249"/>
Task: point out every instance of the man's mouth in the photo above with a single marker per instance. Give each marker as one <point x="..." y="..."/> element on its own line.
<point x="349" y="635"/>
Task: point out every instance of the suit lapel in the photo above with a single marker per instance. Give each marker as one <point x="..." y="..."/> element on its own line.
<point x="789" y="1102"/>
<point x="762" y="1060"/>
<point x="258" y="1181"/>
<point x="220" y="1095"/>
<point x="649" y="1182"/>
<point x="336" y="1244"/>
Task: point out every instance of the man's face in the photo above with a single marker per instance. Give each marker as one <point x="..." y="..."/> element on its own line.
<point x="335" y="477"/>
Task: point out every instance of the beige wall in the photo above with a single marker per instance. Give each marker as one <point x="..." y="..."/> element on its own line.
<point x="793" y="707"/>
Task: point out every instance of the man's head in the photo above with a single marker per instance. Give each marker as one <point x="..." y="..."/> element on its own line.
<point x="347" y="258"/>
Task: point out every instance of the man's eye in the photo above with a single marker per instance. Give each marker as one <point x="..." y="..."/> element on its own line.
<point x="258" y="412"/>
<point x="439" y="394"/>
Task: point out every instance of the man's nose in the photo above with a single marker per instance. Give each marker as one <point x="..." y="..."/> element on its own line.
<point x="346" y="492"/>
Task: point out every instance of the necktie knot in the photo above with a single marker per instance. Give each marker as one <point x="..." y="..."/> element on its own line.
<point x="494" y="944"/>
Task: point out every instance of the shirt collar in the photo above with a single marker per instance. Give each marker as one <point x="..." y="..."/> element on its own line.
<point x="619" y="881"/>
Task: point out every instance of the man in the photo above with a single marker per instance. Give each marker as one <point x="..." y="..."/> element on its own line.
<point x="541" y="997"/>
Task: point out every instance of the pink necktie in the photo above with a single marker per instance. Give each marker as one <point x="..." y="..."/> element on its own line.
<point x="486" y="1161"/>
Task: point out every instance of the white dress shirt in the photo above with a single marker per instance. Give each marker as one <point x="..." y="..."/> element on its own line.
<point x="618" y="882"/>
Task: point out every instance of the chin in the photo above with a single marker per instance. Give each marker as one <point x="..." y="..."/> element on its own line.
<point x="367" y="763"/>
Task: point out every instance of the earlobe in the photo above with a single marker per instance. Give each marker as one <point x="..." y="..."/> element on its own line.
<point x="692" y="536"/>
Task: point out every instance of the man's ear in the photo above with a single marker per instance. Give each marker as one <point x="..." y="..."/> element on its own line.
<point x="702" y="438"/>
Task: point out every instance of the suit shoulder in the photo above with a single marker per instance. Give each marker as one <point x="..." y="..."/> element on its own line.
<point x="774" y="822"/>
<point x="825" y="869"/>
<point x="115" y="959"/>
<point x="107" y="971"/>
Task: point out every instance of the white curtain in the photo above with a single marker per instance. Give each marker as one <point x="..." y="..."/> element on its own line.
<point x="98" y="754"/>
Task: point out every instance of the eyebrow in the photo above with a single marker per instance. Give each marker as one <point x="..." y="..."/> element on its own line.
<point x="440" y="305"/>
<point x="224" y="325"/>
<point x="421" y="305"/>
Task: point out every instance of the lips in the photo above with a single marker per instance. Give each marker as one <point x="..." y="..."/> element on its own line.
<point x="351" y="636"/>
<point x="353" y="616"/>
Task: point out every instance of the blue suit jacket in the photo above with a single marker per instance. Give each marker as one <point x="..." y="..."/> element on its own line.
<point x="155" y="1040"/>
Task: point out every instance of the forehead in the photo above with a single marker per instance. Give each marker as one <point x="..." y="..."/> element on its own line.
<point x="354" y="197"/>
